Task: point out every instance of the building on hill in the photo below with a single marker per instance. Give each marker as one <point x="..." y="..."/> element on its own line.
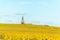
<point x="22" y="22"/>
<point x="28" y="32"/>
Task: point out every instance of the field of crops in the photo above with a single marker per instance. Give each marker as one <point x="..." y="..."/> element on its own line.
<point x="29" y="32"/>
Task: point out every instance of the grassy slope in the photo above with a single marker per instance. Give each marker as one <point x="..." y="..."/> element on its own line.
<point x="28" y="27"/>
<point x="31" y="29"/>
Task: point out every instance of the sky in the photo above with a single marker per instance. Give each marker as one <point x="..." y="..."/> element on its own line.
<point x="45" y="12"/>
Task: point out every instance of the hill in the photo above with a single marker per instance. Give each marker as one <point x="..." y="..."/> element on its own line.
<point x="28" y="28"/>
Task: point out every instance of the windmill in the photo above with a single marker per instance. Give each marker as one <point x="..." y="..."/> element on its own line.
<point x="21" y="14"/>
<point x="22" y="21"/>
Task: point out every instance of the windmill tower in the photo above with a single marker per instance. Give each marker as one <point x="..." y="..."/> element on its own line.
<point x="22" y="21"/>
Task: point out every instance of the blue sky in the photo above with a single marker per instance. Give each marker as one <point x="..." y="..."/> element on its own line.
<point x="46" y="12"/>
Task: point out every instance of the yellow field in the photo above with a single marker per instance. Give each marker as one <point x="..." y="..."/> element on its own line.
<point x="28" y="32"/>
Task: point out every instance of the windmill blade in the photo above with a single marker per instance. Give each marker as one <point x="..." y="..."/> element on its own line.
<point x="20" y="13"/>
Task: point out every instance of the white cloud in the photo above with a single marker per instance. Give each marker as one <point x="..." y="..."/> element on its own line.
<point x="42" y="3"/>
<point x="39" y="3"/>
<point x="26" y="3"/>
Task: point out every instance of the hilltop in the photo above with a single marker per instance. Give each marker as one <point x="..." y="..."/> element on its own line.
<point x="28" y="28"/>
